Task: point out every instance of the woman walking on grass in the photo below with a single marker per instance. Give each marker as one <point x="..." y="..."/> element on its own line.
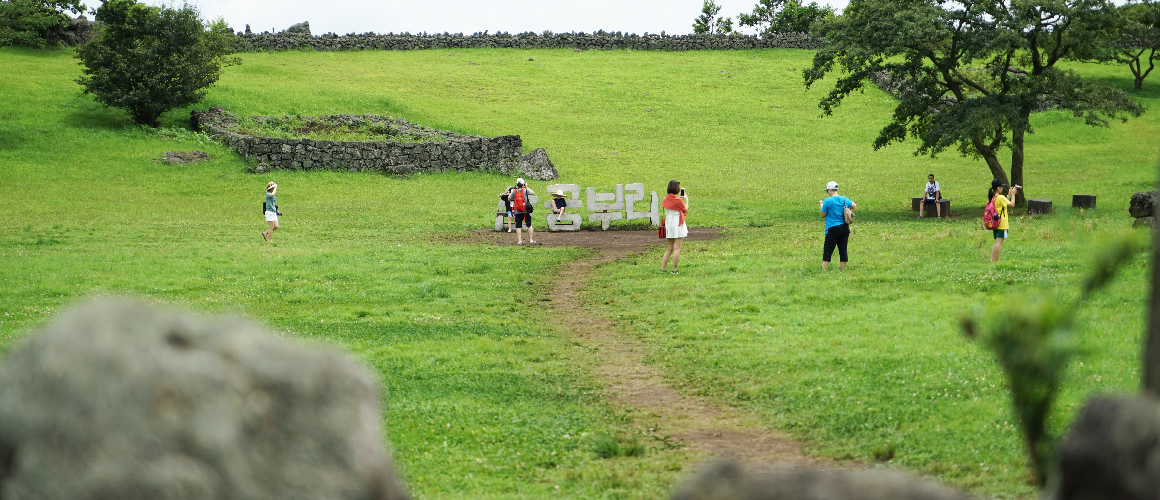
<point x="272" y="212"/>
<point x="1002" y="204"/>
<point x="676" y="206"/>
<point x="837" y="230"/>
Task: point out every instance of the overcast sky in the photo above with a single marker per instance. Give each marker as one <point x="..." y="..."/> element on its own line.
<point x="469" y="16"/>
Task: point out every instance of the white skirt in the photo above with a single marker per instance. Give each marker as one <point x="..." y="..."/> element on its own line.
<point x="673" y="226"/>
<point x="271" y="217"/>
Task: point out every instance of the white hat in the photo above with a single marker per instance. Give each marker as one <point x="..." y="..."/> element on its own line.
<point x="520" y="181"/>
<point x="831" y="185"/>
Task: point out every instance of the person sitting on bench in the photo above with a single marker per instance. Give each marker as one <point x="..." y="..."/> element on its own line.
<point x="561" y="205"/>
<point x="932" y="194"/>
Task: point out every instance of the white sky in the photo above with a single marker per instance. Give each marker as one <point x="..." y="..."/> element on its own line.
<point x="675" y="17"/>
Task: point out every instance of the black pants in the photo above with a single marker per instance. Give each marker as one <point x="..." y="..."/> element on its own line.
<point x="836" y="236"/>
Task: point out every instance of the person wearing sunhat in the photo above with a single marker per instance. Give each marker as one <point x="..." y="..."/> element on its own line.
<point x="837" y="230"/>
<point x="271" y="211"/>
<point x="561" y="205"/>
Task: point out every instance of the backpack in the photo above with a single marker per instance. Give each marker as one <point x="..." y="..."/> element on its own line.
<point x="991" y="216"/>
<point x="519" y="199"/>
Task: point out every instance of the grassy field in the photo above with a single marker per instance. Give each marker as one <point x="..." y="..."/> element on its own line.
<point x="482" y="398"/>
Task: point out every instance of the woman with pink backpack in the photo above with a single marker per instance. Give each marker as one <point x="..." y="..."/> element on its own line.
<point x="996" y="216"/>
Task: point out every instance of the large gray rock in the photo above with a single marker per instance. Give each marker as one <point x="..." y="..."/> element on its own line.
<point x="1142" y="204"/>
<point x="536" y="165"/>
<point x="727" y="481"/>
<point x="116" y="399"/>
<point x="302" y="28"/>
<point x="1111" y="452"/>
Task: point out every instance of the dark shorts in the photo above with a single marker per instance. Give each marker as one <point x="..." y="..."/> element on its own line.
<point x="929" y="200"/>
<point x="523" y="219"/>
<point x="999" y="233"/>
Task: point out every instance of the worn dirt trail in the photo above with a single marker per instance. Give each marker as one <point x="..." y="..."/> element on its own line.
<point x="706" y="429"/>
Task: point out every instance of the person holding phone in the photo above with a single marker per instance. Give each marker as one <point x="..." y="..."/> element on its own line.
<point x="271" y="212"/>
<point x="676" y="208"/>
<point x="1002" y="206"/>
<point x="837" y="230"/>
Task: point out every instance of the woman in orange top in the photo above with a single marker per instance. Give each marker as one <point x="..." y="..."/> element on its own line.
<point x="676" y="208"/>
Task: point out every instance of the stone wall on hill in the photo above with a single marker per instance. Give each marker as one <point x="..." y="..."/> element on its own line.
<point x="435" y="151"/>
<point x="600" y="40"/>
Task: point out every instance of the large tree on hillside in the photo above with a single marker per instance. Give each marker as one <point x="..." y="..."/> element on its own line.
<point x="149" y="60"/>
<point x="1137" y="43"/>
<point x="776" y="16"/>
<point x="30" y="22"/>
<point x="970" y="73"/>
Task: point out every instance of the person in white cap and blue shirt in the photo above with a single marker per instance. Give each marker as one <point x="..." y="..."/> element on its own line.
<point x="837" y="230"/>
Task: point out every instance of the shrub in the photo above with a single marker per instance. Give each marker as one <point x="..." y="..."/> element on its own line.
<point x="29" y="22"/>
<point x="149" y="60"/>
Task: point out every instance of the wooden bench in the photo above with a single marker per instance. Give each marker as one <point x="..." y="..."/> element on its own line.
<point x="930" y="210"/>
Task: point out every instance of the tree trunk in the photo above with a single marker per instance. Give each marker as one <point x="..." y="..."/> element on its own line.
<point x="989" y="156"/>
<point x="1017" y="134"/>
<point x="1152" y="342"/>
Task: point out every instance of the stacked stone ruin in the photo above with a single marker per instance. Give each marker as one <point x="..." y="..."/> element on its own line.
<point x="440" y="150"/>
<point x="299" y="37"/>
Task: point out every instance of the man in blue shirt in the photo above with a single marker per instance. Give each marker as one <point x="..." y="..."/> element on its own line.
<point x="837" y="230"/>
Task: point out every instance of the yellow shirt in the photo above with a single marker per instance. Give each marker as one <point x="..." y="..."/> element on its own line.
<point x="1001" y="209"/>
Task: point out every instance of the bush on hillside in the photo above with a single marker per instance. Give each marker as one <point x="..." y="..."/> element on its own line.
<point x="31" y="23"/>
<point x="149" y="60"/>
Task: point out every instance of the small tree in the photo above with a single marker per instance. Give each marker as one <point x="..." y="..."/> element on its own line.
<point x="972" y="71"/>
<point x="29" y="22"/>
<point x="709" y="23"/>
<point x="149" y="60"/>
<point x="777" y="16"/>
<point x="1138" y="40"/>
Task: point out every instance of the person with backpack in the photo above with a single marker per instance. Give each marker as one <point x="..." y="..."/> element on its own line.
<point x="837" y="225"/>
<point x="996" y="216"/>
<point x="507" y="206"/>
<point x="270" y="209"/>
<point x="519" y="196"/>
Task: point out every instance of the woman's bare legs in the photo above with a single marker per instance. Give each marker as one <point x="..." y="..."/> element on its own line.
<point x="269" y="234"/>
<point x="668" y="253"/>
<point x="996" y="248"/>
<point x="676" y="252"/>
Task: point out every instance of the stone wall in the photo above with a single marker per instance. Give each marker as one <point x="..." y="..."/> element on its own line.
<point x="440" y="151"/>
<point x="600" y="40"/>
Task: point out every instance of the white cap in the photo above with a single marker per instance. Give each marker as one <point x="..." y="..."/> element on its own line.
<point x="520" y="182"/>
<point x="831" y="185"/>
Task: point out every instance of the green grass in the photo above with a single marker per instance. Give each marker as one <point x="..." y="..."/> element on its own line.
<point x="482" y="397"/>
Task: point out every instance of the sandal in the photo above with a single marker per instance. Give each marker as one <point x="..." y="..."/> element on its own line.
<point x="533" y="242"/>
<point x="264" y="238"/>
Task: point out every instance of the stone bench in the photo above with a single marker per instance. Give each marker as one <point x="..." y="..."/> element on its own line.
<point x="1038" y="206"/>
<point x="1083" y="201"/>
<point x="930" y="210"/>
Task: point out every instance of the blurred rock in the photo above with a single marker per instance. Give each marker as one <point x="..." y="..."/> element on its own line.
<point x="727" y="481"/>
<point x="1142" y="204"/>
<point x="1144" y="222"/>
<point x="117" y="399"/>
<point x="1111" y="452"/>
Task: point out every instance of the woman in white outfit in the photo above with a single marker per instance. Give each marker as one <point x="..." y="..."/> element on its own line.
<point x="676" y="206"/>
<point x="271" y="211"/>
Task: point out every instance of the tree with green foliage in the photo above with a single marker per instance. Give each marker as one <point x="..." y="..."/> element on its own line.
<point x="29" y="22"/>
<point x="149" y="60"/>
<point x="779" y="16"/>
<point x="708" y="22"/>
<point x="971" y="72"/>
<point x="1138" y="39"/>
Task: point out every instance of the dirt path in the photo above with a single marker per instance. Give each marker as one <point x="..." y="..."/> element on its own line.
<point x="631" y="384"/>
